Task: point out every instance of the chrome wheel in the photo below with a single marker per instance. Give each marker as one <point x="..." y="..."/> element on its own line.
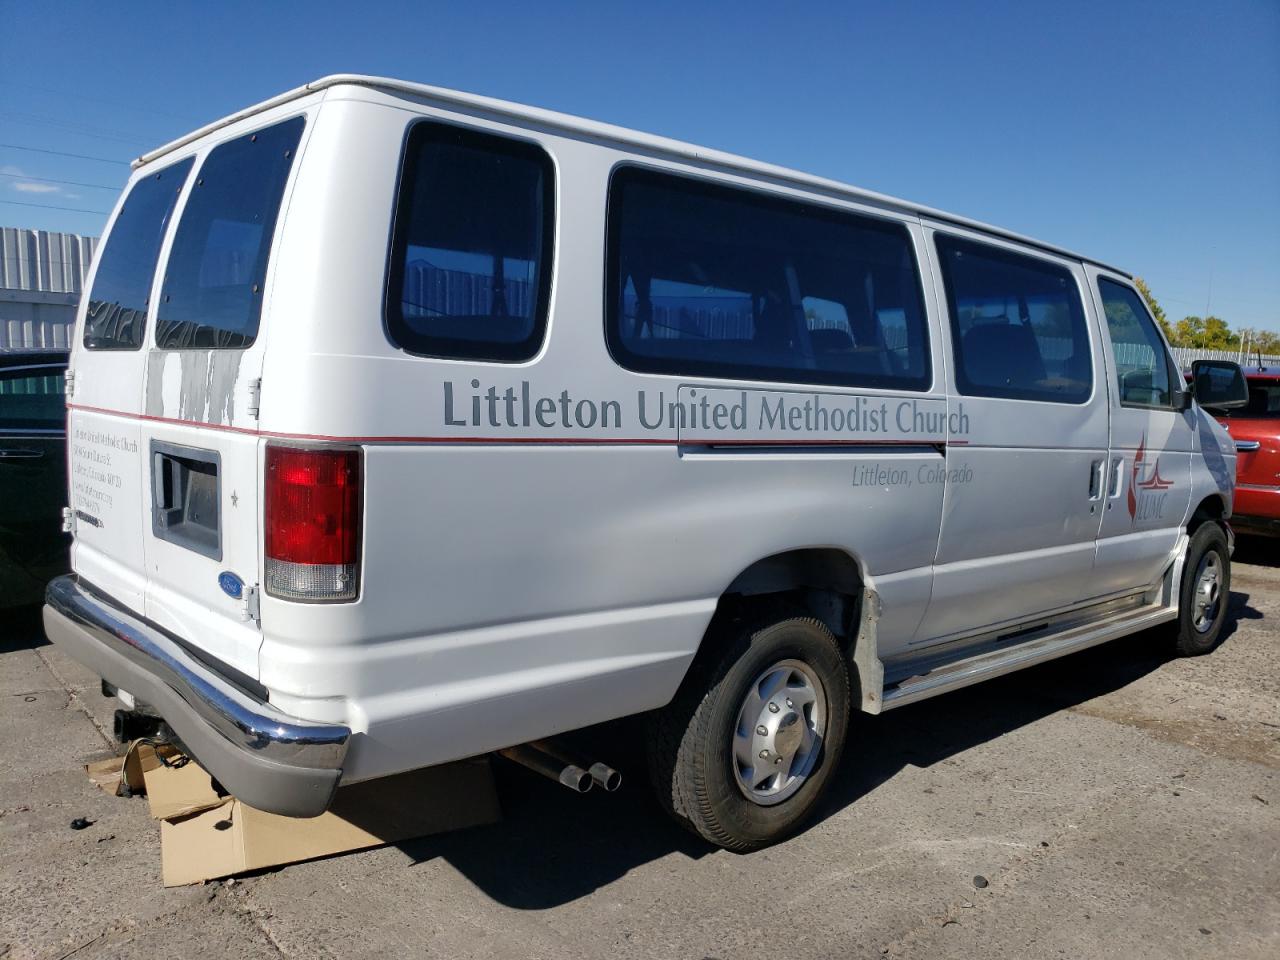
<point x="779" y="732"/>
<point x="1208" y="594"/>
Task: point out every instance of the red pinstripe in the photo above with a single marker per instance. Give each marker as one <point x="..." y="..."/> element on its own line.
<point x="593" y="441"/>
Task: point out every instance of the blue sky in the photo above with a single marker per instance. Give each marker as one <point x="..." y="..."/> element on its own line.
<point x="1146" y="134"/>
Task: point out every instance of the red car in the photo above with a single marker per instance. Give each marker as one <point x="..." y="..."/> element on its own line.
<point x="1256" y="431"/>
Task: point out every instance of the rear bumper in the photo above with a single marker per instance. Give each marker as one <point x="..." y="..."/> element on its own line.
<point x="267" y="759"/>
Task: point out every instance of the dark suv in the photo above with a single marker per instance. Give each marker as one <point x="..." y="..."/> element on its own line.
<point x="33" y="474"/>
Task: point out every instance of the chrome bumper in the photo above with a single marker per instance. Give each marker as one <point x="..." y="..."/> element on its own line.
<point x="266" y="758"/>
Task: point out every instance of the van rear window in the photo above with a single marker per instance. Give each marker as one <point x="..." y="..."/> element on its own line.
<point x="707" y="280"/>
<point x="116" y="318"/>
<point x="213" y="286"/>
<point x="470" y="257"/>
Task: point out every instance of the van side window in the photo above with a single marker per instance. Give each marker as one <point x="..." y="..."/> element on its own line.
<point x="471" y="254"/>
<point x="708" y="280"/>
<point x="116" y="318"/>
<point x="1018" y="326"/>
<point x="1142" y="363"/>
<point x="213" y="285"/>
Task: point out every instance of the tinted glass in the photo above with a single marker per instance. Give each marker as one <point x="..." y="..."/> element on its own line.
<point x="1264" y="401"/>
<point x="212" y="293"/>
<point x="116" y="318"/>
<point x="1018" y="327"/>
<point x="712" y="281"/>
<point x="1142" y="364"/>
<point x="32" y="399"/>
<point x="471" y="255"/>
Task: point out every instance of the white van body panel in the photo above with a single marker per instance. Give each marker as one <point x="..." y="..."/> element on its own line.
<point x="584" y="605"/>
<point x="553" y="560"/>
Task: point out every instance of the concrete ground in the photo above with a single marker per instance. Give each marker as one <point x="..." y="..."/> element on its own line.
<point x="1118" y="803"/>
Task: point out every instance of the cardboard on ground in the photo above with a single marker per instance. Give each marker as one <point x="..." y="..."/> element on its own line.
<point x="204" y="836"/>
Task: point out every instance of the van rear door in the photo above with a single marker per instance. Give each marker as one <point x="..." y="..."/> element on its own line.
<point x="104" y="388"/>
<point x="199" y="424"/>
<point x="163" y="435"/>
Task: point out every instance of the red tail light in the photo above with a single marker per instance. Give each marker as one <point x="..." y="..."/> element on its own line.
<point x="312" y="515"/>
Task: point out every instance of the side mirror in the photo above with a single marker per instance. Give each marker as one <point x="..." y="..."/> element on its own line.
<point x="1219" y="384"/>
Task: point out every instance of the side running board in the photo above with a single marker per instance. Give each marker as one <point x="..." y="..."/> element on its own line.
<point x="1038" y="648"/>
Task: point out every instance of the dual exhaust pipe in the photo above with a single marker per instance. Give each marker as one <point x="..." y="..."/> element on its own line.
<point x="555" y="763"/>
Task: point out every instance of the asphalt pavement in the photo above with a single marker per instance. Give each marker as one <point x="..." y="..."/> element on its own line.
<point x="1117" y="803"/>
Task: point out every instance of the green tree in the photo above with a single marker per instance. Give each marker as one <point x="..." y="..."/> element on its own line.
<point x="1218" y="335"/>
<point x="1189" y="332"/>
<point x="1210" y="333"/>
<point x="1156" y="310"/>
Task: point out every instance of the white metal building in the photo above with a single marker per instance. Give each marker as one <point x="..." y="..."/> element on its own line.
<point x="41" y="276"/>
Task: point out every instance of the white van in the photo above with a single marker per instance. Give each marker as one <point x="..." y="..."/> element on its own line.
<point x="407" y="425"/>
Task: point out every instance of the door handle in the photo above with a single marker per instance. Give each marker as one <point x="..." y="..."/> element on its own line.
<point x="17" y="453"/>
<point x="1247" y="446"/>
<point x="1095" y="479"/>
<point x="1117" y="466"/>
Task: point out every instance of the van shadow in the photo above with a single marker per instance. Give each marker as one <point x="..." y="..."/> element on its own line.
<point x="1256" y="550"/>
<point x="554" y="847"/>
<point x="21" y="628"/>
<point x="935" y="730"/>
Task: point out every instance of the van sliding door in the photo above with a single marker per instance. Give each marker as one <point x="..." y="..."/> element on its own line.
<point x="1025" y="486"/>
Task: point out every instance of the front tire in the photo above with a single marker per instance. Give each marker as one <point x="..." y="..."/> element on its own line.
<point x="746" y="749"/>
<point x="1205" y="588"/>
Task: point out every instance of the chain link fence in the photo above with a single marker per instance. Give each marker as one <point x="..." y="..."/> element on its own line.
<point x="1185" y="356"/>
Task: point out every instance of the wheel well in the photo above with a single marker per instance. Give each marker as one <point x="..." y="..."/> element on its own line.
<point x="824" y="582"/>
<point x="1211" y="509"/>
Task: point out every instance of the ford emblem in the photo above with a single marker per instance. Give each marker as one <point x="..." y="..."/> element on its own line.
<point x="231" y="585"/>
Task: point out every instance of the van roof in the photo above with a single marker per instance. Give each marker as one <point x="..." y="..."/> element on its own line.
<point x="606" y="131"/>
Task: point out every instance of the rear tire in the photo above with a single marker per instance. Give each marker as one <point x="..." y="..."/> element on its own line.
<point x="746" y="749"/>
<point x="1204" y="591"/>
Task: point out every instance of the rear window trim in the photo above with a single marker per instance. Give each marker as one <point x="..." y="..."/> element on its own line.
<point x="633" y="363"/>
<point x="393" y="281"/>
